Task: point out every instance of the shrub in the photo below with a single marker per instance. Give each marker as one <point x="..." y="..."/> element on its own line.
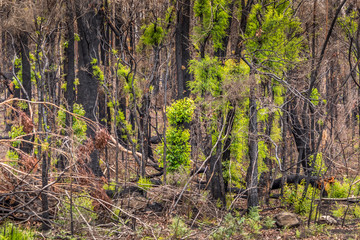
<point x="339" y="190"/>
<point x="82" y="209"/>
<point x="269" y="222"/>
<point x="78" y="125"/>
<point x="9" y="231"/>
<point x="144" y="183"/>
<point x="230" y="227"/>
<point x="181" y="111"/>
<point x="177" y="137"/>
<point x="178" y="228"/>
<point x="295" y="198"/>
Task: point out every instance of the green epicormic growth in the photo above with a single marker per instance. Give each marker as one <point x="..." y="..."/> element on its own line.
<point x="181" y="112"/>
<point x="214" y="19"/>
<point x="177" y="136"/>
<point x="153" y="34"/>
<point x="273" y="37"/>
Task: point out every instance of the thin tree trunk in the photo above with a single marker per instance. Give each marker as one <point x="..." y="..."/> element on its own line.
<point x="252" y="172"/>
<point x="26" y="78"/>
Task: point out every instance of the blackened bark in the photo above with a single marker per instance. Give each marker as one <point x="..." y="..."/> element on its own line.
<point x="252" y="172"/>
<point x="228" y="129"/>
<point x="26" y="67"/>
<point x="105" y="36"/>
<point x="105" y="52"/>
<point x="88" y="26"/>
<point x="69" y="71"/>
<point x="217" y="186"/>
<point x="182" y="44"/>
<point x="144" y="132"/>
<point x="102" y="106"/>
<point x="69" y="65"/>
<point x="301" y="140"/>
<point x="26" y="78"/>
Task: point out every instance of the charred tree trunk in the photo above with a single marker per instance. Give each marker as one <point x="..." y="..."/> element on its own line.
<point x="182" y="44"/>
<point x="88" y="23"/>
<point x="26" y="78"/>
<point x="69" y="71"/>
<point x="215" y="176"/>
<point x="69" y="65"/>
<point x="26" y="67"/>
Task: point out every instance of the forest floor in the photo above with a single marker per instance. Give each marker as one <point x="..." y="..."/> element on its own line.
<point x="156" y="213"/>
<point x="150" y="216"/>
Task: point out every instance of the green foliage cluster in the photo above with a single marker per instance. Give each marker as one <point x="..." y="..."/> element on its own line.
<point x="319" y="165"/>
<point x="279" y="92"/>
<point x="294" y="197"/>
<point x="110" y="186"/>
<point x="78" y="125"/>
<point x="352" y="211"/>
<point x="12" y="156"/>
<point x="247" y="227"/>
<point x="144" y="183"/>
<point x="356" y="211"/>
<point x="9" y="231"/>
<point x="272" y="36"/>
<point x="122" y="71"/>
<point x="126" y="126"/>
<point x="18" y="66"/>
<point x="177" y="137"/>
<point x="253" y="221"/>
<point x="338" y="211"/>
<point x="349" y="23"/>
<point x="315" y="96"/>
<point x="153" y="34"/>
<point x="179" y="229"/>
<point x="16" y="131"/>
<point x="97" y="72"/>
<point x="35" y="74"/>
<point x="214" y="19"/>
<point x="230" y="227"/>
<point x="178" y="148"/>
<point x="180" y="112"/>
<point x="131" y="84"/>
<point x="82" y="208"/>
<point x="208" y="74"/>
<point x="342" y="189"/>
<point x="276" y="131"/>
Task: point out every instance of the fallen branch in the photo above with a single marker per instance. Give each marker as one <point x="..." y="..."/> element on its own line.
<point x="350" y="199"/>
<point x="150" y="162"/>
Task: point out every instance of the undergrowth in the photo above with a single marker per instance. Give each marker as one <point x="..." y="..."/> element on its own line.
<point x="9" y="231"/>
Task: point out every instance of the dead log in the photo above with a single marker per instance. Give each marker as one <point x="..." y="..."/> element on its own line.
<point x="293" y="179"/>
<point x="349" y="199"/>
